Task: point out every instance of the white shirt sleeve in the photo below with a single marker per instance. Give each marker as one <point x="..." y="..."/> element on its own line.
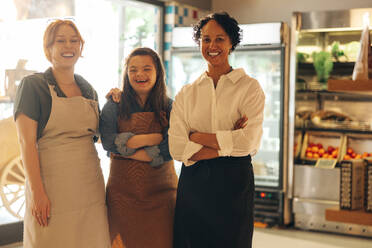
<point x="245" y="141"/>
<point x="180" y="146"/>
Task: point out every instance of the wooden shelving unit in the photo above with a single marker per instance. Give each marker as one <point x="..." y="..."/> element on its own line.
<point x="360" y="86"/>
<point x="358" y="217"/>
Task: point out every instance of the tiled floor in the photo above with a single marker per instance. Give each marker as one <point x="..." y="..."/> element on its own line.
<point x="292" y="238"/>
<point x="289" y="238"/>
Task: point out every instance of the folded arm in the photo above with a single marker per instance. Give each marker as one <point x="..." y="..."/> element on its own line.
<point x="188" y="146"/>
<point x="210" y="146"/>
<point x="180" y="146"/>
<point x="139" y="147"/>
<point x="210" y="143"/>
<point x="245" y="140"/>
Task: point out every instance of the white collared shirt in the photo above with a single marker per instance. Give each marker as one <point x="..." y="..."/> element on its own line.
<point x="201" y="107"/>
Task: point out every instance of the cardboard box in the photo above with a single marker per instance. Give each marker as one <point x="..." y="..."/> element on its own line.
<point x="352" y="185"/>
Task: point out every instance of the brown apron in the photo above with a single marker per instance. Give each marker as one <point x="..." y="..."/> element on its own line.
<point x="140" y="198"/>
<point x="72" y="177"/>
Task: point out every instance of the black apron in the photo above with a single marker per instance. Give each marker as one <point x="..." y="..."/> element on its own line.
<point x="214" y="205"/>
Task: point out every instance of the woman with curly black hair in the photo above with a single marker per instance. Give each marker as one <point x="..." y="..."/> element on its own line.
<point x="215" y="128"/>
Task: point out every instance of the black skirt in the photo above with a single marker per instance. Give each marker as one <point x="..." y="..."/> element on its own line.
<point x="214" y="205"/>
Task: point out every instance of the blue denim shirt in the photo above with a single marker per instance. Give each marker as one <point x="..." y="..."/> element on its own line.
<point x="115" y="142"/>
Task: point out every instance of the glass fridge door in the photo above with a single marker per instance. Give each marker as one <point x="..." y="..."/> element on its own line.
<point x="266" y="67"/>
<point x="187" y="66"/>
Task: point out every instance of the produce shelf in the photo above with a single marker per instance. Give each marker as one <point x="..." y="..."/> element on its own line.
<point x="358" y="217"/>
<point x="362" y="86"/>
<point x="340" y="130"/>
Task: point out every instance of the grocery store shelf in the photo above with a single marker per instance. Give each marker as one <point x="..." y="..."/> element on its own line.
<point x="338" y="130"/>
<point x="359" y="217"/>
<point x="339" y="68"/>
<point x="361" y="86"/>
<point x="308" y="95"/>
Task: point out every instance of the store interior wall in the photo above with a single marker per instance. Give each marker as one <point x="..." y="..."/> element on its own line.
<point x="256" y="11"/>
<point x="202" y="4"/>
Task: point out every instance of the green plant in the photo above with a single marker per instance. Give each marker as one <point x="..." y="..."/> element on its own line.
<point x="302" y="57"/>
<point x="336" y="52"/>
<point x="323" y="65"/>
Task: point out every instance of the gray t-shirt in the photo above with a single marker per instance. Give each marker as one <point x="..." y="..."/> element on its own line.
<point x="34" y="100"/>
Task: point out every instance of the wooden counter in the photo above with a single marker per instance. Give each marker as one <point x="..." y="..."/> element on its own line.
<point x="358" y="86"/>
<point x="359" y="217"/>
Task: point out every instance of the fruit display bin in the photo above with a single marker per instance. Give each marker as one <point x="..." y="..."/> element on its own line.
<point x="357" y="146"/>
<point x="322" y="145"/>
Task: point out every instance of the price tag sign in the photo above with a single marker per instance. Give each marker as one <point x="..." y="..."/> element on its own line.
<point x="326" y="163"/>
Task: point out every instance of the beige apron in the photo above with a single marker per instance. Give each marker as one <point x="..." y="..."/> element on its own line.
<point x="72" y="177"/>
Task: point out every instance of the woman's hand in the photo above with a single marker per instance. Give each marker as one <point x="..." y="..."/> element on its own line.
<point x="41" y="207"/>
<point x="115" y="94"/>
<point x="204" y="153"/>
<point x="241" y="123"/>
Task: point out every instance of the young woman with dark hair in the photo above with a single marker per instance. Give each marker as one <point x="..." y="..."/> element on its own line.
<point x="141" y="190"/>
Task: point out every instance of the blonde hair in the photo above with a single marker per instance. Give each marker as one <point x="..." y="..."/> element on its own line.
<point x="50" y="35"/>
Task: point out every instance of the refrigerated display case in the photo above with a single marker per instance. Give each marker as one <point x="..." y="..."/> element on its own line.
<point x="317" y="190"/>
<point x="263" y="54"/>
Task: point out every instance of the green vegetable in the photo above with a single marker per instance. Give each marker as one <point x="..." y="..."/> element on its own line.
<point x="323" y="65"/>
<point x="336" y="52"/>
<point x="302" y="57"/>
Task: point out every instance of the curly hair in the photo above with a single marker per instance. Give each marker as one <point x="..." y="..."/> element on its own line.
<point x="228" y="23"/>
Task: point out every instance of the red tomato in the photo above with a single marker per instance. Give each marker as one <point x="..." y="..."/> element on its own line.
<point x="330" y="149"/>
<point x="350" y="151"/>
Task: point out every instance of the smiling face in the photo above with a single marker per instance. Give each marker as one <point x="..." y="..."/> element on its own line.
<point x="66" y="49"/>
<point x="215" y="44"/>
<point x="142" y="75"/>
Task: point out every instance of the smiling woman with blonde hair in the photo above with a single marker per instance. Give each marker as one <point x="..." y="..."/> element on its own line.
<point x="56" y="114"/>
